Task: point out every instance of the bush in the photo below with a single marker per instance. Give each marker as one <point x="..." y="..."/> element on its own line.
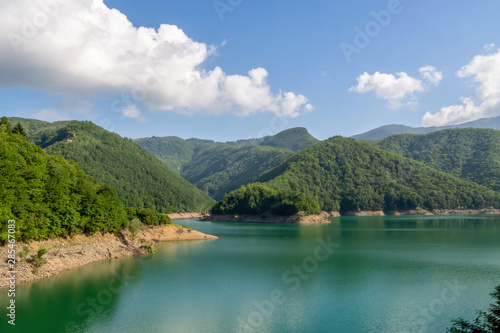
<point x="485" y="322"/>
<point x="134" y="226"/>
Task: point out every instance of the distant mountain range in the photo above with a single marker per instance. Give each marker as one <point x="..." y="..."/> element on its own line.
<point x="388" y="130"/>
<point x="453" y="168"/>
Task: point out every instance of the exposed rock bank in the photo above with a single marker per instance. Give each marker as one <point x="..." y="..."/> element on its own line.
<point x="269" y="218"/>
<point x="489" y="211"/>
<point x="178" y="216"/>
<point x="67" y="253"/>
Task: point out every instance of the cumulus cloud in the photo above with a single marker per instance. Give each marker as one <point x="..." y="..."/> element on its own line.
<point x="485" y="73"/>
<point x="429" y="73"/>
<point x="397" y="90"/>
<point x="50" y="115"/>
<point x="131" y="111"/>
<point x="85" y="49"/>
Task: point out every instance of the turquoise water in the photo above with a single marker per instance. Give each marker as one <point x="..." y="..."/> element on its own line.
<point x="366" y="274"/>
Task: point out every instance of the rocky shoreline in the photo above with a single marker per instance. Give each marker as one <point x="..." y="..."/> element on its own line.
<point x="72" y="252"/>
<point x="489" y="211"/>
<point x="179" y="216"/>
<point x="324" y="216"/>
<point x="269" y="218"/>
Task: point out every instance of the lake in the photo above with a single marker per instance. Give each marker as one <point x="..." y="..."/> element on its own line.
<point x="357" y="274"/>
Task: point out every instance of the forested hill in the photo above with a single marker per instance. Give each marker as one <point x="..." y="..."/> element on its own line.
<point x="469" y="153"/>
<point x="48" y="196"/>
<point x="140" y="179"/>
<point x="222" y="169"/>
<point x="176" y="152"/>
<point x="349" y="175"/>
<point x="218" y="168"/>
<point x="294" y="139"/>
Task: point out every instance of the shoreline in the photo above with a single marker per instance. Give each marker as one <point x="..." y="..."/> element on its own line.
<point x="269" y="218"/>
<point x="66" y="253"/>
<point x="324" y="216"/>
<point x="421" y="212"/>
<point x="180" y="216"/>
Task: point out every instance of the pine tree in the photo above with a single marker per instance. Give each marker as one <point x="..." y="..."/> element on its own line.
<point x="19" y="129"/>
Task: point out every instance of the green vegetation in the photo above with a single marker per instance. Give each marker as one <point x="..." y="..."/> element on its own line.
<point x="223" y="169"/>
<point x="150" y="249"/>
<point x="38" y="259"/>
<point x="349" y="175"/>
<point x="175" y="152"/>
<point x="134" y="227"/>
<point x="49" y="196"/>
<point x="140" y="180"/>
<point x="218" y="168"/>
<point x="472" y="154"/>
<point x="485" y="322"/>
<point x="26" y="250"/>
<point x="258" y="199"/>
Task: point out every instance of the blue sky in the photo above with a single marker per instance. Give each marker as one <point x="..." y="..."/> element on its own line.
<point x="430" y="63"/>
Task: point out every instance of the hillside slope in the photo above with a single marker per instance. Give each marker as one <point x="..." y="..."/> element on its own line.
<point x="222" y="169"/>
<point x="140" y="179"/>
<point x="218" y="168"/>
<point x="48" y="196"/>
<point x="472" y="154"/>
<point x="349" y="175"/>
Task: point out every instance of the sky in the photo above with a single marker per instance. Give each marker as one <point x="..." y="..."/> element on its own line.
<point x="237" y="69"/>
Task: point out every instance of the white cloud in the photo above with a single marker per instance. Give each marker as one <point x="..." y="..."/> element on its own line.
<point x="85" y="49"/>
<point x="430" y="74"/>
<point x="398" y="91"/>
<point x="131" y="111"/>
<point x="485" y="73"/>
<point x="50" y="115"/>
<point x="489" y="47"/>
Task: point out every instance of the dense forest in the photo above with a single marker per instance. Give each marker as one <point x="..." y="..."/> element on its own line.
<point x="218" y="168"/>
<point x="48" y="196"/>
<point x="349" y="175"/>
<point x="140" y="179"/>
<point x="258" y="199"/>
<point x="469" y="153"/>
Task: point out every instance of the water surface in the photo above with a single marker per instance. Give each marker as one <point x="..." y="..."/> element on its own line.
<point x="357" y="274"/>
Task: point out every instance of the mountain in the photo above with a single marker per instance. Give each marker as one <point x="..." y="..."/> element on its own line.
<point x="294" y="139"/>
<point x="140" y="179"/>
<point x="388" y="130"/>
<point x="48" y="196"/>
<point x="470" y="153"/>
<point x="348" y="175"/>
<point x="175" y="152"/>
<point x="225" y="168"/>
<point x="218" y="168"/>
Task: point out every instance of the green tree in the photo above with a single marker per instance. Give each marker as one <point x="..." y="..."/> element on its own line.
<point x="19" y="129"/>
<point x="485" y="322"/>
<point x="5" y="125"/>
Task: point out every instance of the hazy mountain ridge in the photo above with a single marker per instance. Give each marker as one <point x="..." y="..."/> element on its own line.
<point x="388" y="130"/>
